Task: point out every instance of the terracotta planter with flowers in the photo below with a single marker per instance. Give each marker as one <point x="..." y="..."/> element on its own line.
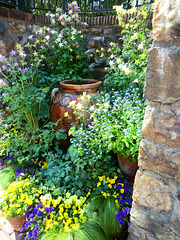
<point x="70" y="91"/>
<point x="128" y="167"/>
<point x="17" y="222"/>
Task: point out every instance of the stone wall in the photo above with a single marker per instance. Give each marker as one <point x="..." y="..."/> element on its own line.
<point x="156" y="208"/>
<point x="16" y="26"/>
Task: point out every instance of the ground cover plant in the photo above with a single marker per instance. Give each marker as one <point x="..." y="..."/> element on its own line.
<point x="81" y="194"/>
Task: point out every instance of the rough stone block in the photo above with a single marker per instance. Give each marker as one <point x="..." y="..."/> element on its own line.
<point x="162" y="124"/>
<point x="151" y="193"/>
<point x="166" y="20"/>
<point x="2" y="27"/>
<point x="3" y="49"/>
<point x="163" y="74"/>
<point x="161" y="160"/>
<point x="96" y="31"/>
<point x="108" y="31"/>
<point x="18" y="27"/>
<point x="146" y="225"/>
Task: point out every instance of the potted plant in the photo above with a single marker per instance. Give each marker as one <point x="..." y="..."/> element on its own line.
<point x="125" y="129"/>
<point x="116" y="123"/>
<point x="15" y="201"/>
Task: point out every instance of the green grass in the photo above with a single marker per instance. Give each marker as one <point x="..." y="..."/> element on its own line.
<point x="7" y="175"/>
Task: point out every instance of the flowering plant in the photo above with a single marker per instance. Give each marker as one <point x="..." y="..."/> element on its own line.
<point x="128" y="65"/>
<point x="125" y="189"/>
<point x="116" y="123"/>
<point x="20" y="79"/>
<point x="18" y="197"/>
<point x="64" y="213"/>
<point x="63" y="45"/>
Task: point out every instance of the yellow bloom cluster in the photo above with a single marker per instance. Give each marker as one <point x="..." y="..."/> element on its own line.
<point x="71" y="212"/>
<point x="18" y="196"/>
<point x="111" y="183"/>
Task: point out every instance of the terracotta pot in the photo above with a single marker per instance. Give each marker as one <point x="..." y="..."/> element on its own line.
<point x="17" y="222"/>
<point x="60" y="100"/>
<point x="128" y="168"/>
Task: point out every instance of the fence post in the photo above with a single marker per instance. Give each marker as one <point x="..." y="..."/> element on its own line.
<point x="19" y="6"/>
<point x="128" y="4"/>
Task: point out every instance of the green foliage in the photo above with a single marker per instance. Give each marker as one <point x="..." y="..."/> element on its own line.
<point x="7" y="175"/>
<point x="106" y="210"/>
<point x="128" y="65"/>
<point x="116" y="125"/>
<point x="90" y="230"/>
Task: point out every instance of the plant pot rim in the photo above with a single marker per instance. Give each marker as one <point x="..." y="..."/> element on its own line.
<point x="91" y="86"/>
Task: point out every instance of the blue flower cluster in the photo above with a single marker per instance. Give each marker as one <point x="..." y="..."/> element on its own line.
<point x="32" y="220"/>
<point x="9" y="158"/>
<point x="31" y="169"/>
<point x="125" y="200"/>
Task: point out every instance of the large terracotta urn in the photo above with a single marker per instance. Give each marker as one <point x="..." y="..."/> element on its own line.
<point x="60" y="99"/>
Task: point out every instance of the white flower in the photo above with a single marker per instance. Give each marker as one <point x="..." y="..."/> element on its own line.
<point x="79" y="106"/>
<point x="111" y="63"/>
<point x="47" y="37"/>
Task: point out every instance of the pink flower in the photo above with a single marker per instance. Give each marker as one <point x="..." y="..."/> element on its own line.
<point x="4" y="94"/>
<point x="12" y="53"/>
<point x="1" y="57"/>
<point x="15" y="64"/>
<point x="2" y="82"/>
<point x="7" y="108"/>
<point x="6" y="125"/>
<point x="19" y="69"/>
<point x="4" y="67"/>
<point x="22" y="53"/>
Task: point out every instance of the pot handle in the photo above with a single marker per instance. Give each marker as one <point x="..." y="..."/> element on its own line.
<point x="53" y="93"/>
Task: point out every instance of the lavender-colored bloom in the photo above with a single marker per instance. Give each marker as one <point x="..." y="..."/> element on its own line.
<point x="47" y="209"/>
<point x="40" y="205"/>
<point x="122" y="202"/>
<point x="6" y="125"/>
<point x="2" y="82"/>
<point x="4" y="67"/>
<point x="119" y="217"/>
<point x="35" y="233"/>
<point x="119" y="186"/>
<point x="19" y="69"/>
<point x="39" y="213"/>
<point x="12" y="53"/>
<point x="125" y="189"/>
<point x="34" y="210"/>
<point x="131" y="190"/>
<point x="22" y="53"/>
<point x="4" y="94"/>
<point x="7" y="108"/>
<point x="16" y="64"/>
<point x="1" y="57"/>
<point x="26" y="69"/>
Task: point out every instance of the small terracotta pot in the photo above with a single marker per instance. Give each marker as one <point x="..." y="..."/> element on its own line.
<point x="128" y="168"/>
<point x="17" y="222"/>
